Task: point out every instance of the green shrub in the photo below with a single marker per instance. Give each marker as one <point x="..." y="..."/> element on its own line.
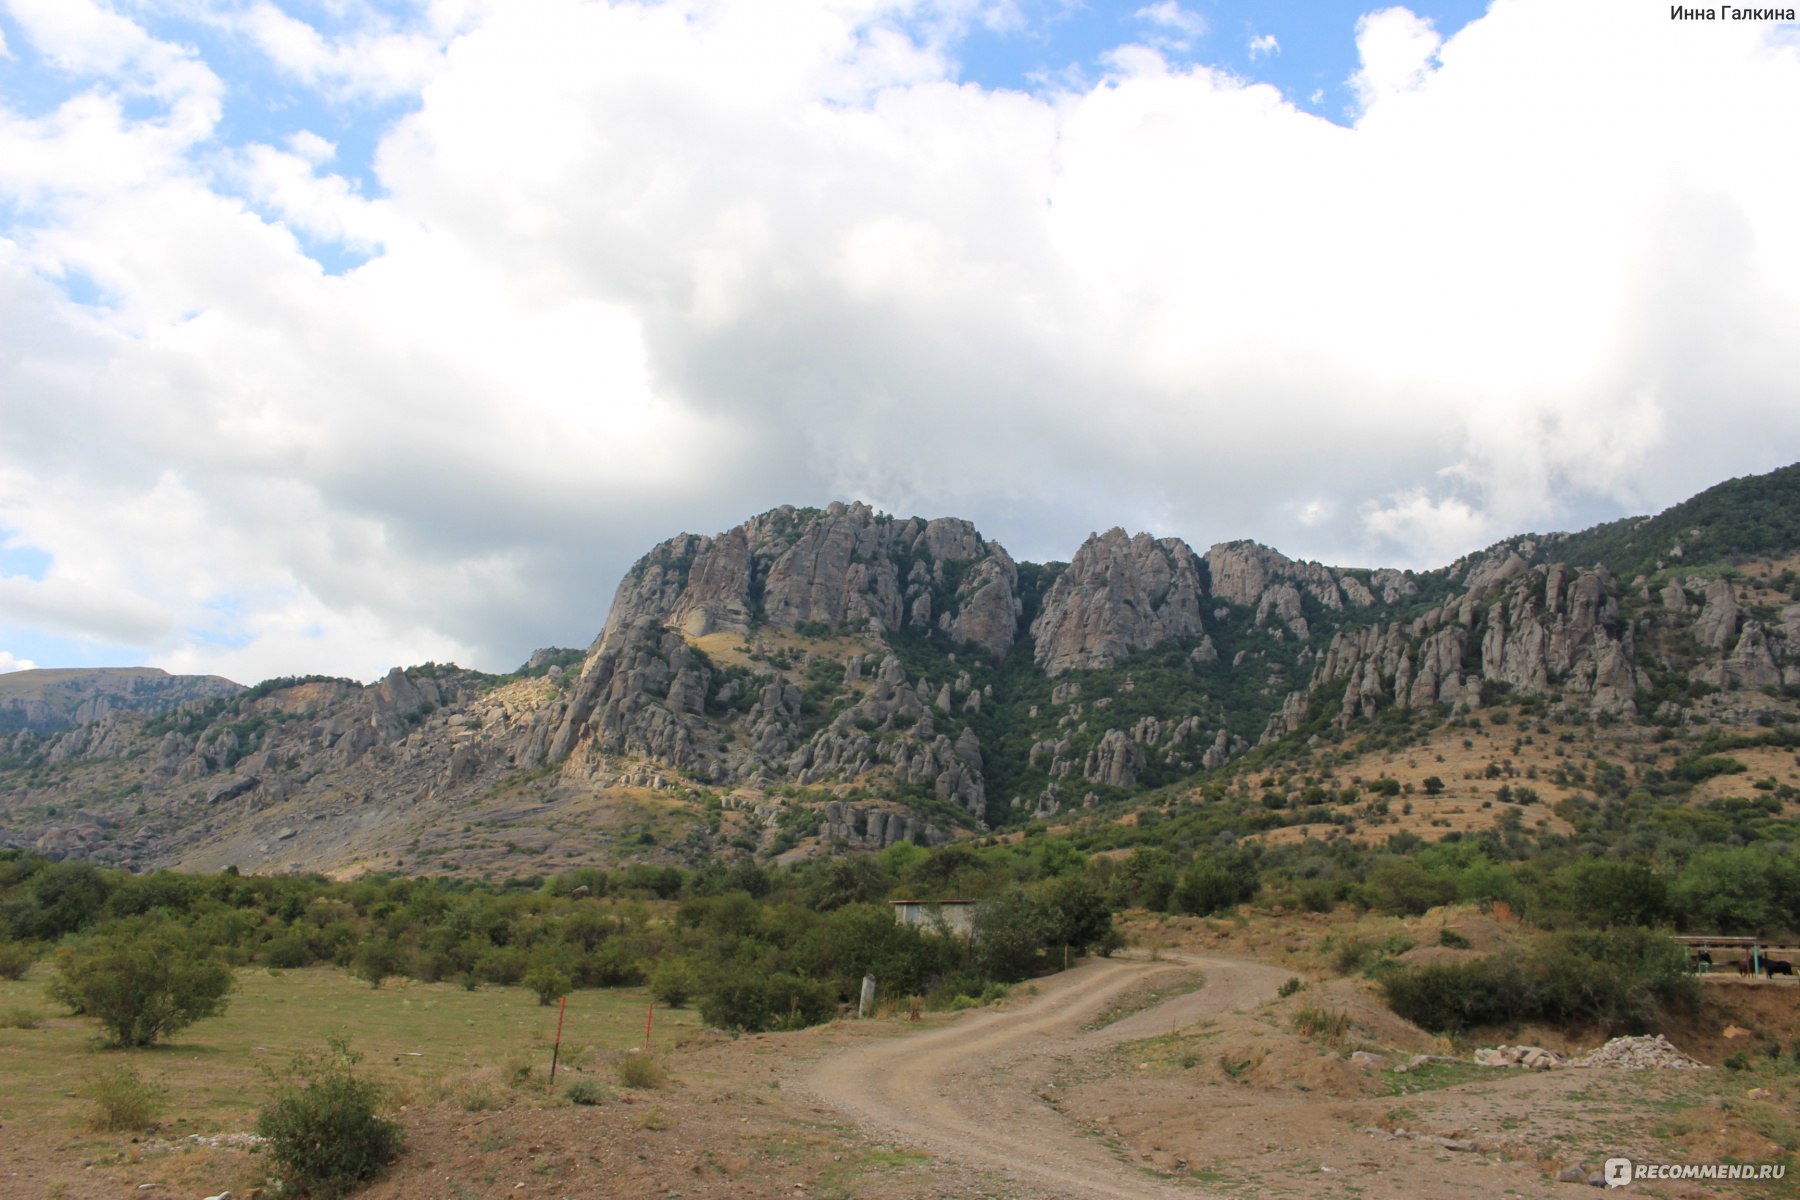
<point x="674" y="982"/>
<point x="1212" y="885"/>
<point x="290" y="950"/>
<point x="1287" y="989"/>
<point x="547" y="982"/>
<point x="1451" y="997"/>
<point x="16" y="959"/>
<point x="641" y="1071"/>
<point x="739" y="1002"/>
<point x="324" y="1127"/>
<point x="143" y="985"/>
<point x="377" y="959"/>
<point x="1353" y="954"/>
<point x="123" y="1100"/>
<point x="1621" y="980"/>
<point x="1453" y="939"/>
<point x="752" y="1002"/>
<point x="19" y="1018"/>
<point x="587" y="1091"/>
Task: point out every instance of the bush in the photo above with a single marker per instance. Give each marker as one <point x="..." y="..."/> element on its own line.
<point x="674" y="983"/>
<point x="123" y="1100"/>
<point x="289" y="951"/>
<point x="1287" y="989"/>
<point x="142" y="985"/>
<point x="324" y="1128"/>
<point x="752" y="1002"/>
<point x="1330" y="1027"/>
<point x="1453" y="939"/>
<point x="641" y="1071"/>
<point x="547" y="981"/>
<point x="1621" y="980"/>
<point x="740" y="1002"/>
<point x="587" y="1091"/>
<point x="1210" y="886"/>
<point x="377" y="959"/>
<point x="1009" y="934"/>
<point x="19" y="1018"/>
<point x="16" y="959"/>
<point x="1451" y="997"/>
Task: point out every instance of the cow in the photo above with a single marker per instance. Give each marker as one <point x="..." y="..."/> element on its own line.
<point x="1703" y="962"/>
<point x="1775" y="966"/>
<point x="1743" y="966"/>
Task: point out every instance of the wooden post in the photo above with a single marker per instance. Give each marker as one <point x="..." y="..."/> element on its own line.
<point x="913" y="1009"/>
<point x="556" y="1050"/>
<point x="649" y="1017"/>
<point x="866" y="1004"/>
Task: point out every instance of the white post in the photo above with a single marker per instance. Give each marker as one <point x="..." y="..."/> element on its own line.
<point x="867" y="1004"/>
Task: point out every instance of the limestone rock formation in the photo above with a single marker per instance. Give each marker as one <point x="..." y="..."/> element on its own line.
<point x="843" y="567"/>
<point x="1119" y="594"/>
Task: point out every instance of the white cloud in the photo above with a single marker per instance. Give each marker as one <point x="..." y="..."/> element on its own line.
<point x="1397" y="49"/>
<point x="10" y="663"/>
<point x="376" y="61"/>
<point x="310" y="146"/>
<point x="1170" y="15"/>
<point x="1263" y="45"/>
<point x="1436" y="529"/>
<point x="644" y="268"/>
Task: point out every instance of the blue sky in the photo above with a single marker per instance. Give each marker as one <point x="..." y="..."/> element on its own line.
<point x="1306" y="50"/>
<point x="340" y="334"/>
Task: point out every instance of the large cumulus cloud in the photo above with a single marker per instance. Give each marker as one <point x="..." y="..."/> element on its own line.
<point x="638" y="268"/>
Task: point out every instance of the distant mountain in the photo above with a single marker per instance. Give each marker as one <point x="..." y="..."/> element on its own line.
<point x="816" y="678"/>
<point x="44" y="701"/>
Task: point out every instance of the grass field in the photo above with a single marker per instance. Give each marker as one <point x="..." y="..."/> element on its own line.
<point x="431" y="1042"/>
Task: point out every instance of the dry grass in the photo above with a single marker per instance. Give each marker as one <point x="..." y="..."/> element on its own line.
<point x="431" y="1042"/>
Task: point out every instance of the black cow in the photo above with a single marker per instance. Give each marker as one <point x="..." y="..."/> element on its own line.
<point x="1703" y="961"/>
<point x="1775" y="966"/>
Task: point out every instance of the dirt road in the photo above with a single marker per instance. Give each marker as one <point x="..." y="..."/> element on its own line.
<point x="975" y="1093"/>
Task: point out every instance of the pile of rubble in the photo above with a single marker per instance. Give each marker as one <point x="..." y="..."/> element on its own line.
<point x="1639" y="1054"/>
<point x="1532" y="1058"/>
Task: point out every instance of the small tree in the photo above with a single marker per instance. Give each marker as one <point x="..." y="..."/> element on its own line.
<point x="142" y="984"/>
<point x="377" y="959"/>
<point x="1433" y="785"/>
<point x="548" y="981"/>
<point x="674" y="982"/>
<point x="324" y="1126"/>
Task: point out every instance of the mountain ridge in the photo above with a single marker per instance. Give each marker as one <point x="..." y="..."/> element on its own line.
<point x="836" y="676"/>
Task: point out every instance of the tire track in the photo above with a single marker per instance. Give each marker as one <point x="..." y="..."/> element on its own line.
<point x="971" y="1092"/>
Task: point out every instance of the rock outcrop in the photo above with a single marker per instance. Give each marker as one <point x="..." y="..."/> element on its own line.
<point x="1529" y="631"/>
<point x="1119" y="594"/>
<point x="45" y="701"/>
<point x="845" y="567"/>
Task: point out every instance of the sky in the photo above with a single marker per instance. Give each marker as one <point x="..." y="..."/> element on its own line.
<point x="343" y="334"/>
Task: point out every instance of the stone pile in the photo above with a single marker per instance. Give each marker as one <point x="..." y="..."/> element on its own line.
<point x="1532" y="1058"/>
<point x="1639" y="1054"/>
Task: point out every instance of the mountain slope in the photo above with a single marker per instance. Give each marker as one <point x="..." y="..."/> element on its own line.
<point x="838" y="676"/>
<point x="44" y="701"/>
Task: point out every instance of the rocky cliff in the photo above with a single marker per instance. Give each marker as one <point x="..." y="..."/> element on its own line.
<point x="44" y="701"/>
<point x="838" y="676"/>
